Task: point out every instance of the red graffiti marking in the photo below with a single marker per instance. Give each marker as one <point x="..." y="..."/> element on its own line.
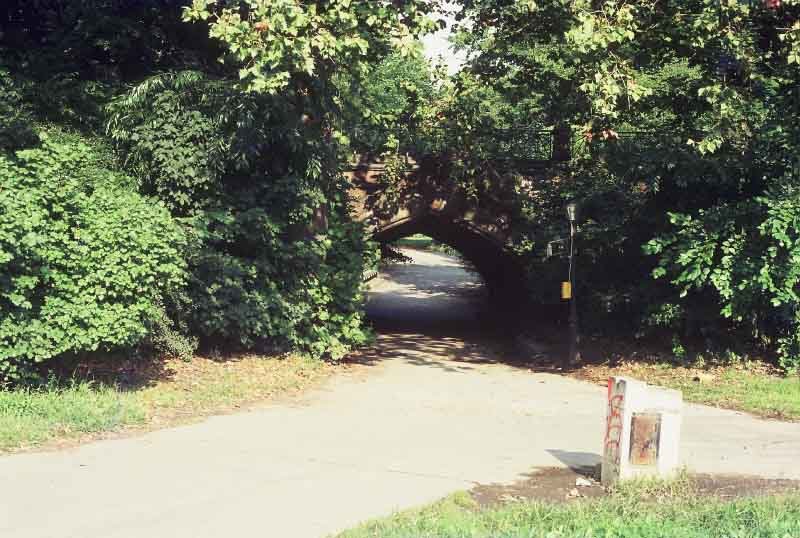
<point x="613" y="434"/>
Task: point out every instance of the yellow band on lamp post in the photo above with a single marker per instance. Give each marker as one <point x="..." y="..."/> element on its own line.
<point x="566" y="290"/>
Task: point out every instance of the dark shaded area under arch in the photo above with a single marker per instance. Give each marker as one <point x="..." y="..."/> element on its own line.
<point x="500" y="270"/>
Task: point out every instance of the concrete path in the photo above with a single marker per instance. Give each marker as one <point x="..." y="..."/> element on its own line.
<point x="432" y="414"/>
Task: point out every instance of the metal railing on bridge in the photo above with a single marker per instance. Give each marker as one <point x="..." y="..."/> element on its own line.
<point x="517" y="148"/>
<point x="516" y="144"/>
<point x="589" y="145"/>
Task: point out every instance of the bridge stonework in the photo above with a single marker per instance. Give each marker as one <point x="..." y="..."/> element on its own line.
<point x="425" y="201"/>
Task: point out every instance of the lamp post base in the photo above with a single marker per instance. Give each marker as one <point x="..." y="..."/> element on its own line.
<point x="574" y="355"/>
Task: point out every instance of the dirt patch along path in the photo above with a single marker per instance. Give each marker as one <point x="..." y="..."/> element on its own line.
<point x="434" y="409"/>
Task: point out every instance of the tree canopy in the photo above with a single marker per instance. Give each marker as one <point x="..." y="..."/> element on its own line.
<point x="685" y="143"/>
<point x="210" y="136"/>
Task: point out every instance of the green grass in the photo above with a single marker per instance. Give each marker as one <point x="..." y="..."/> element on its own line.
<point x="31" y="417"/>
<point x="771" y="396"/>
<point x="423" y="242"/>
<point x="630" y="513"/>
<point x="745" y="387"/>
<point x="418" y="241"/>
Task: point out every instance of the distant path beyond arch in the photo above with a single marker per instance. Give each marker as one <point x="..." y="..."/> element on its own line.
<point x="422" y="205"/>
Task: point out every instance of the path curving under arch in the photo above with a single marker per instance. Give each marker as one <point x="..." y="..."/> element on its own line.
<point x="488" y="254"/>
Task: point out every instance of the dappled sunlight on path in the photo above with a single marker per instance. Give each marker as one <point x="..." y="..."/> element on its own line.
<point x="433" y="295"/>
<point x="435" y="312"/>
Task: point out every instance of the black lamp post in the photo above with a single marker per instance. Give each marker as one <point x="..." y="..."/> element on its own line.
<point x="572" y="358"/>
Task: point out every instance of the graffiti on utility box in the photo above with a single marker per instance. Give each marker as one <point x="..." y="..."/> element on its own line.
<point x="614" y="425"/>
<point x="645" y="436"/>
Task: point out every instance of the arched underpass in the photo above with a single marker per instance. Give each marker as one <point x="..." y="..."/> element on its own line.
<point x="499" y="269"/>
<point x="434" y="310"/>
<point x="430" y="295"/>
<point x="442" y="304"/>
<point x="423" y="201"/>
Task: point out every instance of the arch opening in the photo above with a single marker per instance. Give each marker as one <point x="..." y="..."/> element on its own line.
<point x="436" y="292"/>
<point x="503" y="275"/>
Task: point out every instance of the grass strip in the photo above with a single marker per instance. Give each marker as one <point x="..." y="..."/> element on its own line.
<point x="31" y="417"/>
<point x="634" y="511"/>
<point x="750" y="389"/>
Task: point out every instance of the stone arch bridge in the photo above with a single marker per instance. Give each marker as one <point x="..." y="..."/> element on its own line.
<point x="426" y="201"/>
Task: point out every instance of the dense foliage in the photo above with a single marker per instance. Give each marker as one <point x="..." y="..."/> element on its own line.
<point x="684" y="131"/>
<point x="229" y="122"/>
<point x="222" y="215"/>
<point x="15" y="120"/>
<point x="265" y="269"/>
<point x="84" y="263"/>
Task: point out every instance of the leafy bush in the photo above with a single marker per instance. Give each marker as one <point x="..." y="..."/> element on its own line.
<point x="262" y="273"/>
<point x="174" y="150"/>
<point x="84" y="263"/>
<point x="749" y="253"/>
<point x="302" y="295"/>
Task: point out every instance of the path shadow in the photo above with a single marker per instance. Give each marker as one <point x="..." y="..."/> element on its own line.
<point x="446" y="353"/>
<point x="428" y="331"/>
<point x="415" y="327"/>
<point x="437" y="315"/>
<point x="585" y="463"/>
<point x="442" y="314"/>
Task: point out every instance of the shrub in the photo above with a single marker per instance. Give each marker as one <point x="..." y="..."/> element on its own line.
<point x="254" y="285"/>
<point x="261" y="273"/>
<point x="748" y="253"/>
<point x="83" y="262"/>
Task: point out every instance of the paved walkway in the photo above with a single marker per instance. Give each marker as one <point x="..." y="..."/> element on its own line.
<point x="433" y="414"/>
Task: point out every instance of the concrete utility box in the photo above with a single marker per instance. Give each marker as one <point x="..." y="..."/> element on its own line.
<point x="642" y="434"/>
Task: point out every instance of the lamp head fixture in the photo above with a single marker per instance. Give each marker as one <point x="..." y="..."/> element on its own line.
<point x="572" y="211"/>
